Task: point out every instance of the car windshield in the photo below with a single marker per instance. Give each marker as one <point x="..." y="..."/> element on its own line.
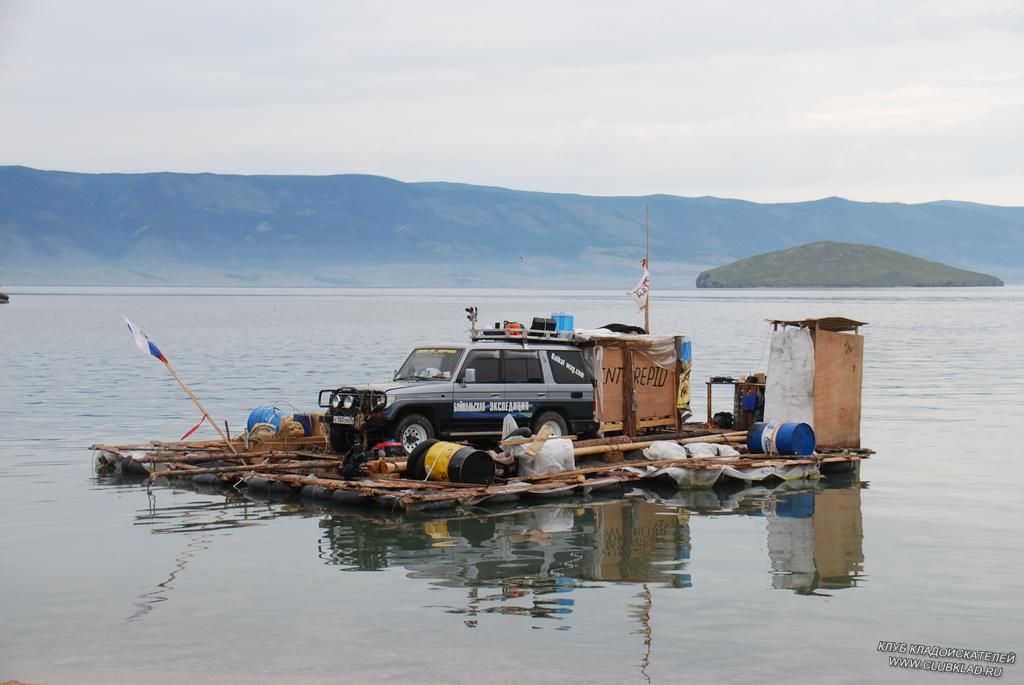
<point x="427" y="363"/>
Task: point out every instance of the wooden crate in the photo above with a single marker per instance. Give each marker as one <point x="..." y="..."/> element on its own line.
<point x="636" y="393"/>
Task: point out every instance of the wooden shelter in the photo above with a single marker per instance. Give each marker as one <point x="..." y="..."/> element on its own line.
<point x="838" y="375"/>
<point x="642" y="381"/>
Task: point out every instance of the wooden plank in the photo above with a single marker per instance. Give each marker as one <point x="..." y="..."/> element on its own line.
<point x="651" y="423"/>
<point x="838" y="372"/>
<point x="640" y="444"/>
<point x="655" y="387"/>
<point x="247" y="468"/>
<point x="611" y="388"/>
<point x="537" y="441"/>
<point x="628" y="413"/>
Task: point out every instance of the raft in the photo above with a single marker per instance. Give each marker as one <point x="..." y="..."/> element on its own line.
<point x="304" y="469"/>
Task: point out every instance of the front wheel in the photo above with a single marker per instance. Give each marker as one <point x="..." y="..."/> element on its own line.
<point x="554" y="421"/>
<point x="412" y="430"/>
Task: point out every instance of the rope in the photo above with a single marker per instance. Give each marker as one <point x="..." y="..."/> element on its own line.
<point x="765" y="346"/>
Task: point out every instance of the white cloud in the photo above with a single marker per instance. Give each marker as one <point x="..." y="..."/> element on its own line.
<point x="766" y="101"/>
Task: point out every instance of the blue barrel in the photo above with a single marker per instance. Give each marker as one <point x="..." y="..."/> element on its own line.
<point x="563" y="321"/>
<point x="781" y="438"/>
<point x="271" y="415"/>
<point x="749" y="403"/>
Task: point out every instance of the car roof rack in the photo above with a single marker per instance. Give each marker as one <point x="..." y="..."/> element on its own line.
<point x="520" y="335"/>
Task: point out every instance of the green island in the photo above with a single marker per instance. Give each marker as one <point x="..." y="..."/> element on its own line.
<point x="830" y="264"/>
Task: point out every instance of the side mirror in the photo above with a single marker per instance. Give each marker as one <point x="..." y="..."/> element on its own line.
<point x="469" y="376"/>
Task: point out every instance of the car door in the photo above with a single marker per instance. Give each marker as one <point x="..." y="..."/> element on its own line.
<point x="524" y="384"/>
<point x="473" y="412"/>
<point x="572" y="387"/>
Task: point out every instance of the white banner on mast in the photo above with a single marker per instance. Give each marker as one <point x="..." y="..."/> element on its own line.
<point x="642" y="289"/>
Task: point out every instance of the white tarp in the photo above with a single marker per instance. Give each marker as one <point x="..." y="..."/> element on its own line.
<point x="710" y="449"/>
<point x="555" y="456"/>
<point x="789" y="390"/>
<point x="666" y="449"/>
<point x="706" y="478"/>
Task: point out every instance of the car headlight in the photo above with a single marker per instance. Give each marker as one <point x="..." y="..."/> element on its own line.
<point x="380" y="401"/>
<point x="335" y="400"/>
<point x="348" y="402"/>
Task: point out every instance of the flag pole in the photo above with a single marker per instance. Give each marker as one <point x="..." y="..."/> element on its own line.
<point x="647" y="262"/>
<point x="201" y="407"/>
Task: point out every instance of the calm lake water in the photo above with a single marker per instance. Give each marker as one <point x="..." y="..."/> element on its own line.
<point x="100" y="582"/>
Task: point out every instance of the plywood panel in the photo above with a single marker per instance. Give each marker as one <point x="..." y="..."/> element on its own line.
<point x="838" y="373"/>
<point x="611" y="385"/>
<point x="655" y="388"/>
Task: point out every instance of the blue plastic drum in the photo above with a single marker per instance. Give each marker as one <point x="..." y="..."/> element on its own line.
<point x="781" y="438"/>
<point x="271" y="415"/>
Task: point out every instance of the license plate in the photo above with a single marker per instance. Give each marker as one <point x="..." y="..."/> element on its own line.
<point x="346" y="420"/>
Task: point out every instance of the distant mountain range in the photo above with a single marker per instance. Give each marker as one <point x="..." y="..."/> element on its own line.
<point x="355" y="230"/>
<point x="829" y="264"/>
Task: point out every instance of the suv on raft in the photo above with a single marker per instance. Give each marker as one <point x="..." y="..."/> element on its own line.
<point x="464" y="391"/>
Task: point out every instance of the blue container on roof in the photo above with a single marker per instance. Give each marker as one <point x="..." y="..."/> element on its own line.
<point x="563" y="321"/>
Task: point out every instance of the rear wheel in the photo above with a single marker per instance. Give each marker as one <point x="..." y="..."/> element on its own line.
<point x="554" y="420"/>
<point x="412" y="430"/>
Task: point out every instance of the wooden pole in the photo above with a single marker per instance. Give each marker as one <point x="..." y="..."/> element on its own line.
<point x="627" y="447"/>
<point x="647" y="265"/>
<point x="200" y="405"/>
<point x="244" y="468"/>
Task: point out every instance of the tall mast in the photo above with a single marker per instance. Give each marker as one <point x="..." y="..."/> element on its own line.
<point x="647" y="265"/>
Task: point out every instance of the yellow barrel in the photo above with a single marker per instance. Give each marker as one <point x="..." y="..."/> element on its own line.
<point x="450" y="462"/>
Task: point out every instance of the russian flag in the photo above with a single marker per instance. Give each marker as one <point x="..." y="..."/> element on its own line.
<point x="144" y="343"/>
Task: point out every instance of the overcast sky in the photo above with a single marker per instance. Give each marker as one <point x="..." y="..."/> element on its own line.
<point x="769" y="101"/>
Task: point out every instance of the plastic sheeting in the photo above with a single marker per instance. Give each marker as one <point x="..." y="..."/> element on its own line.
<point x="666" y="449"/>
<point x="554" y="456"/>
<point x="660" y="349"/>
<point x="710" y="449"/>
<point x="706" y="478"/>
<point x="789" y="390"/>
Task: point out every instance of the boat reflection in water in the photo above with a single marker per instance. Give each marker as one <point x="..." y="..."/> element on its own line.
<point x="528" y="559"/>
<point x="814" y="540"/>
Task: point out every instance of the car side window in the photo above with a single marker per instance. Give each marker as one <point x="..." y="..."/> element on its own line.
<point x="567" y="366"/>
<point x="522" y="367"/>
<point x="487" y="364"/>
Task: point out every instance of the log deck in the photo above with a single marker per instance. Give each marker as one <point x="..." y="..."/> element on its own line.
<point x="312" y="472"/>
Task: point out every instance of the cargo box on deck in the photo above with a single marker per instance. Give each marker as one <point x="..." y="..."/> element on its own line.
<point x="642" y="381"/>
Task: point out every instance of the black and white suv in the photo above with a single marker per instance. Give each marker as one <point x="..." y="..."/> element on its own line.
<point x="464" y="391"/>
